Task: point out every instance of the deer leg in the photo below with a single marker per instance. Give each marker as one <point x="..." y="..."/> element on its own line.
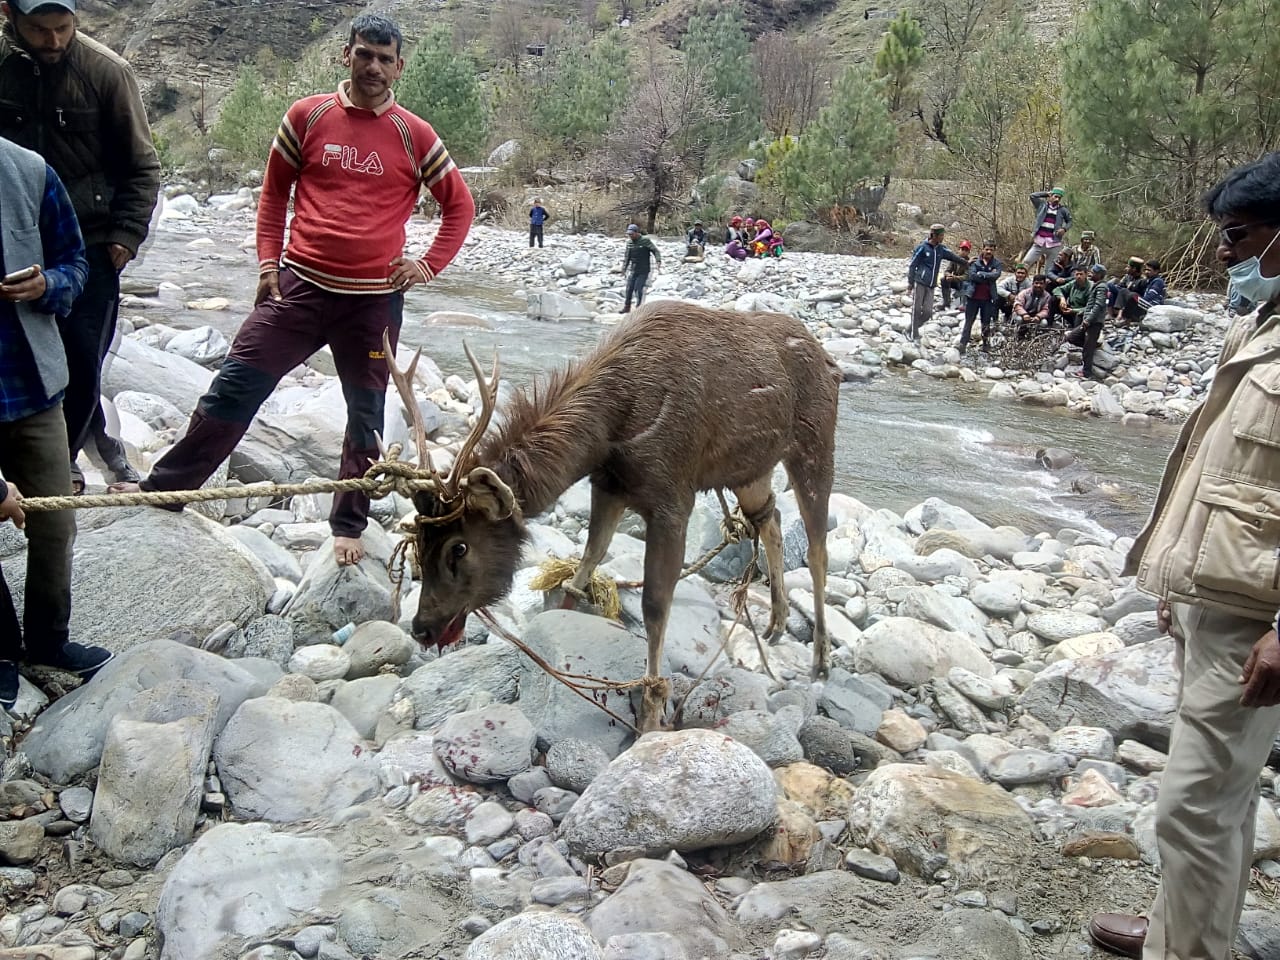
<point x="757" y="503"/>
<point x="606" y="511"/>
<point x="663" y="560"/>
<point x="813" y="511"/>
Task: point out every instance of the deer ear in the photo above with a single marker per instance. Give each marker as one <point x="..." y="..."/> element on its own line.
<point x="489" y="495"/>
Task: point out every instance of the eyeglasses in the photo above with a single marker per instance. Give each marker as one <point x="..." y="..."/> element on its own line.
<point x="1230" y="236"/>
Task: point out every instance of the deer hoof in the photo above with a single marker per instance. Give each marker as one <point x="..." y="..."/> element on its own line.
<point x="820" y="671"/>
<point x="653" y="706"/>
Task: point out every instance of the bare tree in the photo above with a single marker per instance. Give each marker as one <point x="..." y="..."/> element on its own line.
<point x="950" y="35"/>
<point x="795" y="76"/>
<point x="656" y="142"/>
<point x="508" y="29"/>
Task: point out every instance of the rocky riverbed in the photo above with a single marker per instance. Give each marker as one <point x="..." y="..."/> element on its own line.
<point x="974" y="779"/>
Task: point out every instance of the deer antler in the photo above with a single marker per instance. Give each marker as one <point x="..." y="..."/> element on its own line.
<point x="403" y="380"/>
<point x="488" y="399"/>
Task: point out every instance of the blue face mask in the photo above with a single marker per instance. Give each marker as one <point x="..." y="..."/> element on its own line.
<point x="1248" y="279"/>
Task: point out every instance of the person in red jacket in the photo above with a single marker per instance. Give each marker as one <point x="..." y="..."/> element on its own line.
<point x="356" y="162"/>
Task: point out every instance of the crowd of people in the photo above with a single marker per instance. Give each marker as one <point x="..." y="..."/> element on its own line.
<point x="1072" y="295"/>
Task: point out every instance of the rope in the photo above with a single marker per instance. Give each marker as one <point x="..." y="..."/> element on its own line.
<point x="381" y="479"/>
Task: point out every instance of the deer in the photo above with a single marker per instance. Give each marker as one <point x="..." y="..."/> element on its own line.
<point x="677" y="399"/>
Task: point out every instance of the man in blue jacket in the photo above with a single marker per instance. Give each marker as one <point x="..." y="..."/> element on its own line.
<point x="537" y="217"/>
<point x="922" y="275"/>
<point x="979" y="293"/>
<point x="44" y="268"/>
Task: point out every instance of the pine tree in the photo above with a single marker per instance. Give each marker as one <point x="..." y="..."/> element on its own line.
<point x="852" y="139"/>
<point x="581" y="89"/>
<point x="899" y="57"/>
<point x="249" y="117"/>
<point x="716" y="47"/>
<point x="442" y="86"/>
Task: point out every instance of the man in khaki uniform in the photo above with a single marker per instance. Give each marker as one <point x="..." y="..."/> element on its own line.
<point x="1211" y="553"/>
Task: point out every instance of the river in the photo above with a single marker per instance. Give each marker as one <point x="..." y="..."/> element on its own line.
<point x="902" y="438"/>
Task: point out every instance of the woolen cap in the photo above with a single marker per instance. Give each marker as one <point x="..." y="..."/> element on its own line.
<point x="633" y="228"/>
<point x="937" y="228"/>
<point x="1058" y="192"/>
<point x="1086" y="235"/>
<point x="26" y="6"/>
<point x="1098" y="270"/>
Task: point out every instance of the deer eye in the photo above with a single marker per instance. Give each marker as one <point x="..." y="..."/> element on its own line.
<point x="459" y="551"/>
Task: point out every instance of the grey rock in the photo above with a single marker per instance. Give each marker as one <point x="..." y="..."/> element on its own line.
<point x="909" y="653"/>
<point x="488" y="822"/>
<point x="151" y="778"/>
<point x="1000" y="598"/>
<point x="281" y="760"/>
<point x="1135" y="628"/>
<point x="533" y="823"/>
<point x="1132" y="691"/>
<point x="553" y="891"/>
<point x="278" y="561"/>
<point x="658" y="897"/>
<point x="375" y="645"/>
<point x="133" y="924"/>
<point x="411" y="755"/>
<point x="535" y="936"/>
<point x="442" y="809"/>
<point x="772" y="736"/>
<point x="240" y="881"/>
<point x="663" y="794"/>
<point x="872" y="866"/>
<point x="269" y="637"/>
<point x="644" y="946"/>
<point x="488" y="745"/>
<point x="1259" y="935"/>
<point x="693" y="627"/>
<point x="1084" y="742"/>
<point x="937" y="566"/>
<point x="143" y="369"/>
<point x="1027" y="766"/>
<point x="1054" y="626"/>
<point x="76" y="803"/>
<point x="524" y="785"/>
<point x="972" y="935"/>
<point x="365" y="700"/>
<point x="588" y="645"/>
<point x="841" y="751"/>
<point x="958" y="708"/>
<point x="950" y="613"/>
<point x="727" y="693"/>
<point x="573" y="764"/>
<point x="554" y="802"/>
<point x="445" y="686"/>
<point x="819" y="901"/>
<point x="67" y="739"/>
<point x="846" y="700"/>
<point x="122" y="555"/>
<point x="20" y="841"/>
<point x="330" y="596"/>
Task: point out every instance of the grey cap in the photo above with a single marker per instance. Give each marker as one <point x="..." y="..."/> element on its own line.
<point x="1097" y="269"/>
<point x="937" y="228"/>
<point x="632" y="228"/>
<point x="27" y="6"/>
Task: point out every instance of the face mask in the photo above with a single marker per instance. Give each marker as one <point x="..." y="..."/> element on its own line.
<point x="1248" y="279"/>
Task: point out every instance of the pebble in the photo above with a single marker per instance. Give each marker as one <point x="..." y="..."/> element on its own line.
<point x="872" y="866"/>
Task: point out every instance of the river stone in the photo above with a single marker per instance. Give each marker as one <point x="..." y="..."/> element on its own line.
<point x="588" y="645"/>
<point x="446" y="685"/>
<point x="1093" y="743"/>
<point x="1087" y="645"/>
<point x="1054" y="626"/>
<point x="1132" y="692"/>
<point x="846" y="700"/>
<point x="283" y="761"/>
<point x="644" y="946"/>
<point x="992" y="693"/>
<point x="950" y="613"/>
<point x="1259" y="936"/>
<point x="938" y="565"/>
<point x="330" y="596"/>
<point x="156" y="412"/>
<point x="375" y="645"/>
<point x="270" y="637"/>
<point x="279" y="561"/>
<point x="20" y="841"/>
<point x="732" y="691"/>
<point x="142" y="369"/>
<point x="1001" y="543"/>
<point x="999" y="598"/>
<point x="535" y="936"/>
<point x="151" y="778"/>
<point x="203" y="345"/>
<point x="927" y="818"/>
<point x="142" y="574"/>
<point x="67" y="739"/>
<point x="909" y="653"/>
<point x="772" y="736"/>
<point x="1138" y="627"/>
<point x="1018" y="767"/>
<point x="364" y="701"/>
<point x="972" y="935"/>
<point x="323" y="661"/>
<point x="488" y="745"/>
<point x="411" y="755"/>
<point x="573" y="764"/>
<point x="819" y="901"/>
<point x="241" y="881"/>
<point x="693" y="627"/>
<point x="659" y="897"/>
<point x="664" y="794"/>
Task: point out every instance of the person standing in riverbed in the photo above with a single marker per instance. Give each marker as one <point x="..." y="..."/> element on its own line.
<point x="641" y="256"/>
<point x="1209" y="554"/>
<point x="76" y="103"/>
<point x="537" y="219"/>
<point x="922" y="275"/>
<point x="44" y="267"/>
<point x="356" y="162"/>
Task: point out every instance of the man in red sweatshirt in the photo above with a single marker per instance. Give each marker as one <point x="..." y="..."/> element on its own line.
<point x="356" y="162"/>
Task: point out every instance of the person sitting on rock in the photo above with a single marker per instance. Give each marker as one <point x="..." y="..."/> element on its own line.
<point x="696" y="243"/>
<point x="1133" y="282"/>
<point x="734" y="230"/>
<point x="44" y="268"/>
<point x="1071" y="298"/>
<point x="748" y="231"/>
<point x="1031" y="307"/>
<point x="736" y="249"/>
<point x="1087" y="255"/>
<point x="324" y="287"/>
<point x="1009" y="287"/>
<point x="954" y="278"/>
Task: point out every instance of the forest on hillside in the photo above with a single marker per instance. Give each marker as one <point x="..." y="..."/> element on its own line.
<point x="1134" y="110"/>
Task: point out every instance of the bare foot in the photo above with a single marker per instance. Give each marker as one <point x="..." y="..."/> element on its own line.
<point x="348" y="550"/>
<point x="126" y="486"/>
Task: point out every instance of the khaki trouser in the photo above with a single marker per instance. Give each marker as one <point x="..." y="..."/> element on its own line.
<point x="1209" y="791"/>
<point x="921" y="308"/>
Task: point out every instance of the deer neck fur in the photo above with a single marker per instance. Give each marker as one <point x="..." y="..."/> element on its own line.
<point x="553" y="435"/>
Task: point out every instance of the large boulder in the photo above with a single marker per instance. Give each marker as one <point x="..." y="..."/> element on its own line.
<point x="927" y="818"/>
<point x="659" y="897"/>
<point x="556" y="306"/>
<point x="449" y="684"/>
<point x="535" y="936"/>
<point x="666" y="793"/>
<point x="203" y="345"/>
<point x="297" y="434"/>
<point x="143" y="574"/>
<point x="285" y="760"/>
<point x="693" y="627"/>
<point x="581" y="644"/>
<point x="331" y="596"/>
<point x="241" y="881"/>
<point x="910" y="653"/>
<point x="151" y="778"/>
<point x="143" y="369"/>
<point x="1132" y="693"/>
<point x="67" y="739"/>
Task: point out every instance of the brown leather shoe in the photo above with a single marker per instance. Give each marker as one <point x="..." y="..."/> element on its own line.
<point x="1119" y="933"/>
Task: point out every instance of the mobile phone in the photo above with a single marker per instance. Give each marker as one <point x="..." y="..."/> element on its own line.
<point x="20" y="275"/>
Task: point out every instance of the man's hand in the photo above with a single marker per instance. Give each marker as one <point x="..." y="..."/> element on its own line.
<point x="120" y="255"/>
<point x="11" y="509"/>
<point x="25" y="291"/>
<point x="1164" y="618"/>
<point x="268" y="286"/>
<point x="1261" y="674"/>
<point x="404" y="274"/>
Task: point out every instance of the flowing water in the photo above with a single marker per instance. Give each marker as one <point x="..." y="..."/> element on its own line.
<point x="902" y="438"/>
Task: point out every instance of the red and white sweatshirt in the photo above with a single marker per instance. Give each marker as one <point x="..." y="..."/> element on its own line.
<point x="356" y="176"/>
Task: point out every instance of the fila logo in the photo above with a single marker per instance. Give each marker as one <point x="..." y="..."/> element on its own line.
<point x="349" y="159"/>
